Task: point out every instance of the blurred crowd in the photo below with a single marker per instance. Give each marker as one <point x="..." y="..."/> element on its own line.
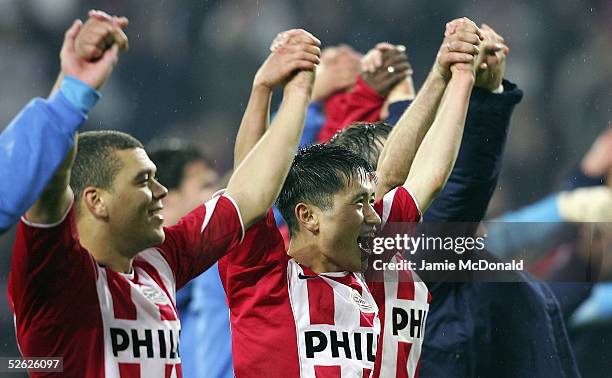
<point x="191" y="63"/>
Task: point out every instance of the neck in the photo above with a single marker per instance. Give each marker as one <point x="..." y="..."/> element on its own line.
<point x="105" y="249"/>
<point x="309" y="253"/>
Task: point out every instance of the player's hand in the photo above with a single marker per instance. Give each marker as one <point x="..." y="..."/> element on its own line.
<point x="99" y="33"/>
<point x="459" y="48"/>
<point x="598" y="160"/>
<point x="385" y="66"/>
<point x="491" y="62"/>
<point x="291" y="51"/>
<point x="337" y="72"/>
<point x="93" y="73"/>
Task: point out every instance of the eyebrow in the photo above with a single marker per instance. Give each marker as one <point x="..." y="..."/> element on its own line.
<point x="360" y="195"/>
<point x="144" y="172"/>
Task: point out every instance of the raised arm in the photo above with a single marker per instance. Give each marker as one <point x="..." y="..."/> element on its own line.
<point x="258" y="179"/>
<point x="399" y="151"/>
<point x="87" y="59"/>
<point x="472" y="182"/>
<point x="292" y="50"/>
<point x="435" y="158"/>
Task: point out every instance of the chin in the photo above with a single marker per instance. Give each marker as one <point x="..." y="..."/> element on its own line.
<point x="158" y="237"/>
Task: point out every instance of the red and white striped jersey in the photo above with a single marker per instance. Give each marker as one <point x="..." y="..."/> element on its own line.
<point x="101" y="322"/>
<point x="402" y="297"/>
<point x="288" y="321"/>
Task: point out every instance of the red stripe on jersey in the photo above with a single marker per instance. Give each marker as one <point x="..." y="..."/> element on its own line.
<point x="119" y="287"/>
<point x="367" y="319"/>
<point x="366" y="373"/>
<point x="405" y="285"/>
<point x="320" y="301"/>
<point x="327" y="371"/>
<point x="166" y="312"/>
<point x="428" y="297"/>
<point x="171" y="367"/>
<point x="403" y="351"/>
<point x="128" y="370"/>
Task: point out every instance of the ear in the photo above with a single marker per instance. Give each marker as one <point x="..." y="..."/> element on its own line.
<point x="307" y="217"/>
<point x="95" y="203"/>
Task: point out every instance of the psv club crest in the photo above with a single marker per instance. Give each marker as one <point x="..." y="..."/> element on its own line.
<point x="363" y="305"/>
<point x="155" y="296"/>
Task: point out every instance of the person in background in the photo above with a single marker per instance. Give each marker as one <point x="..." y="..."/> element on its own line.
<point x="206" y="340"/>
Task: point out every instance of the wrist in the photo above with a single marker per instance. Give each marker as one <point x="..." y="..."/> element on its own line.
<point x="436" y="74"/>
<point x="297" y="91"/>
<point x="464" y="75"/>
<point x="261" y="88"/>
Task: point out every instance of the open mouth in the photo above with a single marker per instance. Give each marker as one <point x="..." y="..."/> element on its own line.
<point x="365" y="245"/>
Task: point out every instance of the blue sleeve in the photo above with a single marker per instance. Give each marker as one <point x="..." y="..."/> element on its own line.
<point x="538" y="226"/>
<point x="466" y="196"/>
<point x="31" y="148"/>
<point x="314" y="120"/>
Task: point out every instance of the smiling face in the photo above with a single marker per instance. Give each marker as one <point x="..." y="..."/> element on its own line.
<point x="344" y="227"/>
<point x="134" y="201"/>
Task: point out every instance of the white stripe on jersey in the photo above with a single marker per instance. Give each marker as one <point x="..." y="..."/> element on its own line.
<point x="390" y="342"/>
<point x="347" y="317"/>
<point x="145" y="295"/>
<point x="387" y="205"/>
<point x="210" y="209"/>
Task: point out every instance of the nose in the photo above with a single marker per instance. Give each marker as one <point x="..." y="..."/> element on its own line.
<point x="371" y="216"/>
<point x="159" y="191"/>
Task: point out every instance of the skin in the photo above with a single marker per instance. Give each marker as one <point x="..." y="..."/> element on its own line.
<point x="125" y="218"/>
<point x="116" y="224"/>
<point x="328" y="240"/>
<point x="292" y="50"/>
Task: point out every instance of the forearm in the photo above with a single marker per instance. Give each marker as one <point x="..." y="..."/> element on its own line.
<point x="57" y="196"/>
<point x="257" y="181"/>
<point x="472" y="182"/>
<point x="437" y="153"/>
<point x="403" y="142"/>
<point x="254" y="122"/>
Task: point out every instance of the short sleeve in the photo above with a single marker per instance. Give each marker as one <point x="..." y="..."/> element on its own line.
<point x="262" y="251"/>
<point x="49" y="263"/>
<point x="202" y="237"/>
<point x="398" y="205"/>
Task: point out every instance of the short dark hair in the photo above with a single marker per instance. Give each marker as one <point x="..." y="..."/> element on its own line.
<point x="317" y="173"/>
<point x="96" y="163"/>
<point x="171" y="156"/>
<point x="361" y="137"/>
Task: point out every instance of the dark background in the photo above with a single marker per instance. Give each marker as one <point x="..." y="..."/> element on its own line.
<point x="190" y="66"/>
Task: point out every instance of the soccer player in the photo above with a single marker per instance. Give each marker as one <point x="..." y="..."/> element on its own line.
<point x="313" y="298"/>
<point x="39" y="137"/>
<point x="94" y="273"/>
